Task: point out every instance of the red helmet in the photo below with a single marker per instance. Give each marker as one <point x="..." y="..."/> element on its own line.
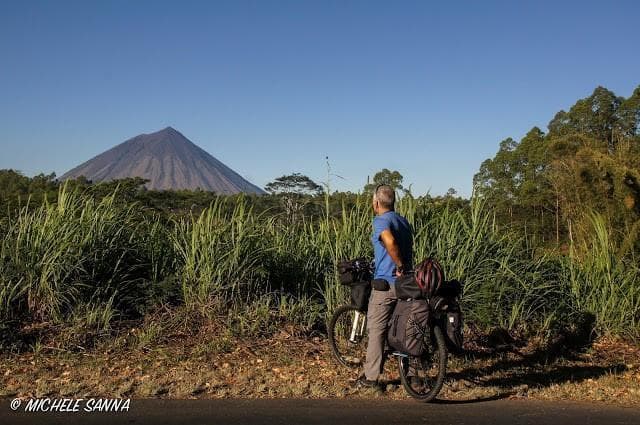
<point x="429" y="276"/>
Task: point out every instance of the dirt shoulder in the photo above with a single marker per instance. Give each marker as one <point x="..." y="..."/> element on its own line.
<point x="211" y="365"/>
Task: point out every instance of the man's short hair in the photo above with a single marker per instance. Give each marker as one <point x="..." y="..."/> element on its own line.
<point x="386" y="196"/>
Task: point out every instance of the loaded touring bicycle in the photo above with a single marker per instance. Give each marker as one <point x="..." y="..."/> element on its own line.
<point x="425" y="325"/>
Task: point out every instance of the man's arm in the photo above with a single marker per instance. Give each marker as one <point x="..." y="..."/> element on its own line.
<point x="392" y="248"/>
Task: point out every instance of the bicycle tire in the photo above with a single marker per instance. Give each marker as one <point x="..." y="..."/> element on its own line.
<point x="346" y="353"/>
<point x="428" y="392"/>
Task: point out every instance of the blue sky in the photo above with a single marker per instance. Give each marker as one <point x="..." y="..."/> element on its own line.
<point x="272" y="87"/>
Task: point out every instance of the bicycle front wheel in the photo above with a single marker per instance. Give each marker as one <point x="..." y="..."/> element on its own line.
<point x="422" y="377"/>
<point x="348" y="336"/>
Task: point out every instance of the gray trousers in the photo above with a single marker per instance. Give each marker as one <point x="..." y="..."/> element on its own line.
<point x="381" y="304"/>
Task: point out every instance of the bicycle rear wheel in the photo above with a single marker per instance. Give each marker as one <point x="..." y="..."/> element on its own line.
<point x="422" y="377"/>
<point x="348" y="336"/>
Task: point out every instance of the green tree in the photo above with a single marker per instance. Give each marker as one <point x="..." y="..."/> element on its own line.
<point x="16" y="189"/>
<point x="589" y="160"/>
<point x="386" y="176"/>
<point x="597" y="116"/>
<point x="629" y="113"/>
<point x="497" y="178"/>
<point x="295" y="183"/>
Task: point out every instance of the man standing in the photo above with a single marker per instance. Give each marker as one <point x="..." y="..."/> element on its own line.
<point x="393" y="254"/>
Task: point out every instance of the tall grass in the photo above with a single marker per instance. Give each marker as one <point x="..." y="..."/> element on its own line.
<point x="605" y="279"/>
<point x="87" y="262"/>
<point x="505" y="284"/>
<point x="344" y="238"/>
<point x="218" y="255"/>
<point x="77" y="251"/>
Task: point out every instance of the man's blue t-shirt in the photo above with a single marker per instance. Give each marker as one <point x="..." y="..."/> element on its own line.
<point x="385" y="268"/>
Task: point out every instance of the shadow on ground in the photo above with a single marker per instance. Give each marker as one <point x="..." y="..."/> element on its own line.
<point x="499" y="365"/>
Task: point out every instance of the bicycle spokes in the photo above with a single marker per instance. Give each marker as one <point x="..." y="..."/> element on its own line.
<point x="348" y="336"/>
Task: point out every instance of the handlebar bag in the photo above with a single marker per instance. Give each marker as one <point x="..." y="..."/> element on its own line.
<point x="353" y="271"/>
<point x="360" y="292"/>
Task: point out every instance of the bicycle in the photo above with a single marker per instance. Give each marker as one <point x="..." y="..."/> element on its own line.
<point x="421" y="377"/>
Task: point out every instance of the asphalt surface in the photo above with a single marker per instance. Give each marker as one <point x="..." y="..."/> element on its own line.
<point x="335" y="412"/>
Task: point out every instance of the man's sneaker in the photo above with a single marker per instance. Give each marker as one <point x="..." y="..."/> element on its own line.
<point x="363" y="382"/>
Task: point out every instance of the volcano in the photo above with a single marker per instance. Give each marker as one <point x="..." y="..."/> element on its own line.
<point x="168" y="160"/>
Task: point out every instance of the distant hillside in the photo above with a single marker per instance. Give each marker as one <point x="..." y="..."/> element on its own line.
<point x="168" y="160"/>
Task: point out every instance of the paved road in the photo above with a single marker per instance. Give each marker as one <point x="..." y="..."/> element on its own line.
<point x="337" y="412"/>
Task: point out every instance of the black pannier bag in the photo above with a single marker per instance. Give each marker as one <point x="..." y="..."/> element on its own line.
<point x="409" y="326"/>
<point x="453" y="335"/>
<point x="450" y="289"/>
<point x="407" y="288"/>
<point x="449" y="293"/>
